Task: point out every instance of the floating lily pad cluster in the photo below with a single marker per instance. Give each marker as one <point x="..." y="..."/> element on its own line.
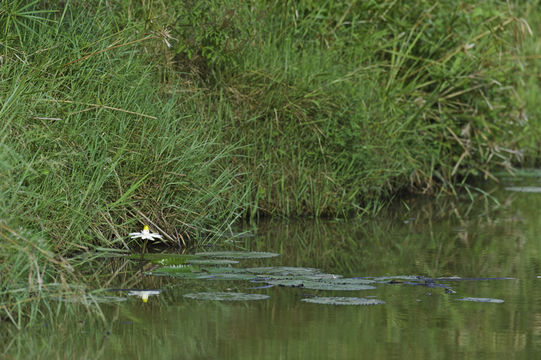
<point x="220" y="265"/>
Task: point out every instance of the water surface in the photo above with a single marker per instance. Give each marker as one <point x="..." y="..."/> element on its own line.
<point x="493" y="237"/>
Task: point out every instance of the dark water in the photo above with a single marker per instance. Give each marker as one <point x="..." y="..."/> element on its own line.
<point x="496" y="236"/>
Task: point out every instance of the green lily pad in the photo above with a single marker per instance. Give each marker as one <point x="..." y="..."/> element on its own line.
<point x="484" y="300"/>
<point x="178" y="271"/>
<point x="314" y="277"/>
<point x="212" y="262"/>
<point x="399" y="278"/>
<point x="283" y="271"/>
<point x="175" y="269"/>
<point x="351" y="281"/>
<point x="226" y="296"/>
<point x="320" y="285"/>
<point x="227" y="276"/>
<point x="343" y="301"/>
<point x="238" y="254"/>
<point x="286" y="282"/>
<point x="209" y="273"/>
<point x="224" y="270"/>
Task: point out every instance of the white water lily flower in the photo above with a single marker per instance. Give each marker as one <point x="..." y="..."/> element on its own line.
<point x="145" y="234"/>
<point x="144" y="294"/>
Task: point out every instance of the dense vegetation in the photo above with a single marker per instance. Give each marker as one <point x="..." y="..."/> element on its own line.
<point x="189" y="115"/>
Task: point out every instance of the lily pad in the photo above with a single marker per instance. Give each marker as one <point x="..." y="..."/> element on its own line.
<point x="238" y="254"/>
<point x="343" y="301"/>
<point x="177" y="275"/>
<point x="177" y="269"/>
<point x="320" y="285"/>
<point x="212" y="262"/>
<point x="286" y="282"/>
<point x="224" y="270"/>
<point x="399" y="278"/>
<point x="209" y="273"/>
<point x="484" y="300"/>
<point x="283" y="271"/>
<point x="352" y="281"/>
<point x="226" y="296"/>
<point x="227" y="276"/>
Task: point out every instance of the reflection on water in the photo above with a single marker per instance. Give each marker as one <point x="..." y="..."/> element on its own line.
<point x="489" y="238"/>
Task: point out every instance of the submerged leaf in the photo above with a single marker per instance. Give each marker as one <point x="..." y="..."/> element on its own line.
<point x="343" y="301"/>
<point x="226" y="296"/>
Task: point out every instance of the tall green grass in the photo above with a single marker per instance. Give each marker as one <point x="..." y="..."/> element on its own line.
<point x="94" y="146"/>
<point x="529" y="91"/>
<point x="341" y="105"/>
<point x="190" y="115"/>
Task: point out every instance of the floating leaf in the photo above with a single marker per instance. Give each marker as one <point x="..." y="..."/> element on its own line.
<point x="484" y="300"/>
<point x="209" y="273"/>
<point x="227" y="276"/>
<point x="320" y="285"/>
<point x="399" y="278"/>
<point x="226" y="296"/>
<point x="238" y="254"/>
<point x="352" y="281"/>
<point x="287" y="282"/>
<point x="224" y="270"/>
<point x="176" y="269"/>
<point x="283" y="271"/>
<point x="212" y="262"/>
<point x="170" y="261"/>
<point x="343" y="301"/>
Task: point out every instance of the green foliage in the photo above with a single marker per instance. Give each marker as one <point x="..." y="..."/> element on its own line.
<point x="19" y="21"/>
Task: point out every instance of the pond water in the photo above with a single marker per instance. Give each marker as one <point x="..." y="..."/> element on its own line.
<point x="460" y="250"/>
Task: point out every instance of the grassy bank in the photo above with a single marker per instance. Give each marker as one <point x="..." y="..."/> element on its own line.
<point x="189" y="116"/>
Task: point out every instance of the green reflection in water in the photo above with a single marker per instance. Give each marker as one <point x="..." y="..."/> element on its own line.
<point x="435" y="239"/>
